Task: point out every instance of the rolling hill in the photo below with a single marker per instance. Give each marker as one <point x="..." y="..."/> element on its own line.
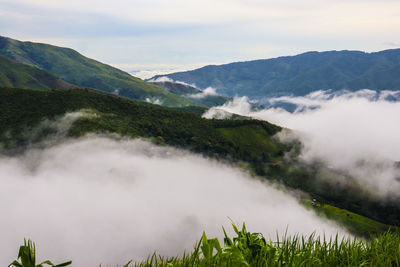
<point x="300" y="75"/>
<point x="13" y="74"/>
<point x="81" y="71"/>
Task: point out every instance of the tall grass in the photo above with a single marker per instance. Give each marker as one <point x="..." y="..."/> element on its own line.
<point x="252" y="249"/>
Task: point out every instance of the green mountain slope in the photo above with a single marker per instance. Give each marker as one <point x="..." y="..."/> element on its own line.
<point x="13" y="74"/>
<point x="193" y="95"/>
<point x="301" y="74"/>
<point x="78" y="70"/>
<point x="26" y="116"/>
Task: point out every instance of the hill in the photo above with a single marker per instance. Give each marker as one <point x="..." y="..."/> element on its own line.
<point x="301" y="74"/>
<point x="79" y="70"/>
<point x="27" y="116"/>
<point x="13" y="74"/>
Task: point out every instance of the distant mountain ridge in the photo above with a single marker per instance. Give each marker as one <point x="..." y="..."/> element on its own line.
<point x="81" y="71"/>
<point x="300" y="74"/>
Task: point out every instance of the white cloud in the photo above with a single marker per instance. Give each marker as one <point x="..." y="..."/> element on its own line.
<point x="147" y="74"/>
<point x="357" y="132"/>
<point x="209" y="91"/>
<point x="216" y="113"/>
<point x="331" y="16"/>
<point x="163" y="79"/>
<point x="98" y="200"/>
<point x="147" y="71"/>
<point x="154" y="101"/>
<point x="239" y="105"/>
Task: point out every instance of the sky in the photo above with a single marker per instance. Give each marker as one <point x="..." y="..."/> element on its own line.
<point x="159" y="36"/>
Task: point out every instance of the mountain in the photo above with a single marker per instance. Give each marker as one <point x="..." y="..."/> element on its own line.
<point x="195" y="96"/>
<point x="300" y="75"/>
<point x="81" y="71"/>
<point x="13" y="74"/>
<point x="28" y="117"/>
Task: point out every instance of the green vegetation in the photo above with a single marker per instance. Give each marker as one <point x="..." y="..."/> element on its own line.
<point x="333" y="188"/>
<point x="81" y="71"/>
<point x="301" y="74"/>
<point x="25" y="116"/>
<point x="13" y="74"/>
<point x="27" y="254"/>
<point x="254" y="137"/>
<point x="252" y="249"/>
<point x="355" y="223"/>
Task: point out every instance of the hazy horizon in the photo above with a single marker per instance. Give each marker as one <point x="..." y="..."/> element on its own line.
<point x="156" y="36"/>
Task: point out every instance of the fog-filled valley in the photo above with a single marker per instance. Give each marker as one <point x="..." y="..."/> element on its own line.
<point x="104" y="200"/>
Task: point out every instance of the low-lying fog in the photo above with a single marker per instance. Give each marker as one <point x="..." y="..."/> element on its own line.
<point x="100" y="200"/>
<point x="353" y="131"/>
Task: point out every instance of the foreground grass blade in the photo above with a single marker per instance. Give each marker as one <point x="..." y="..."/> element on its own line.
<point x="27" y="255"/>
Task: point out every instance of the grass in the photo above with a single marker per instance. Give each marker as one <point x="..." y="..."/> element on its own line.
<point x="252" y="249"/>
<point x="353" y="222"/>
<point x="13" y="74"/>
<point x="27" y="256"/>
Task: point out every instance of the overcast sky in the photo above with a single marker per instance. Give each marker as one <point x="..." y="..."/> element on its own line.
<point x="182" y="34"/>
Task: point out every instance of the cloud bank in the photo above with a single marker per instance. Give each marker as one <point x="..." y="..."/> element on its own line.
<point x="99" y="200"/>
<point x="354" y="131"/>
